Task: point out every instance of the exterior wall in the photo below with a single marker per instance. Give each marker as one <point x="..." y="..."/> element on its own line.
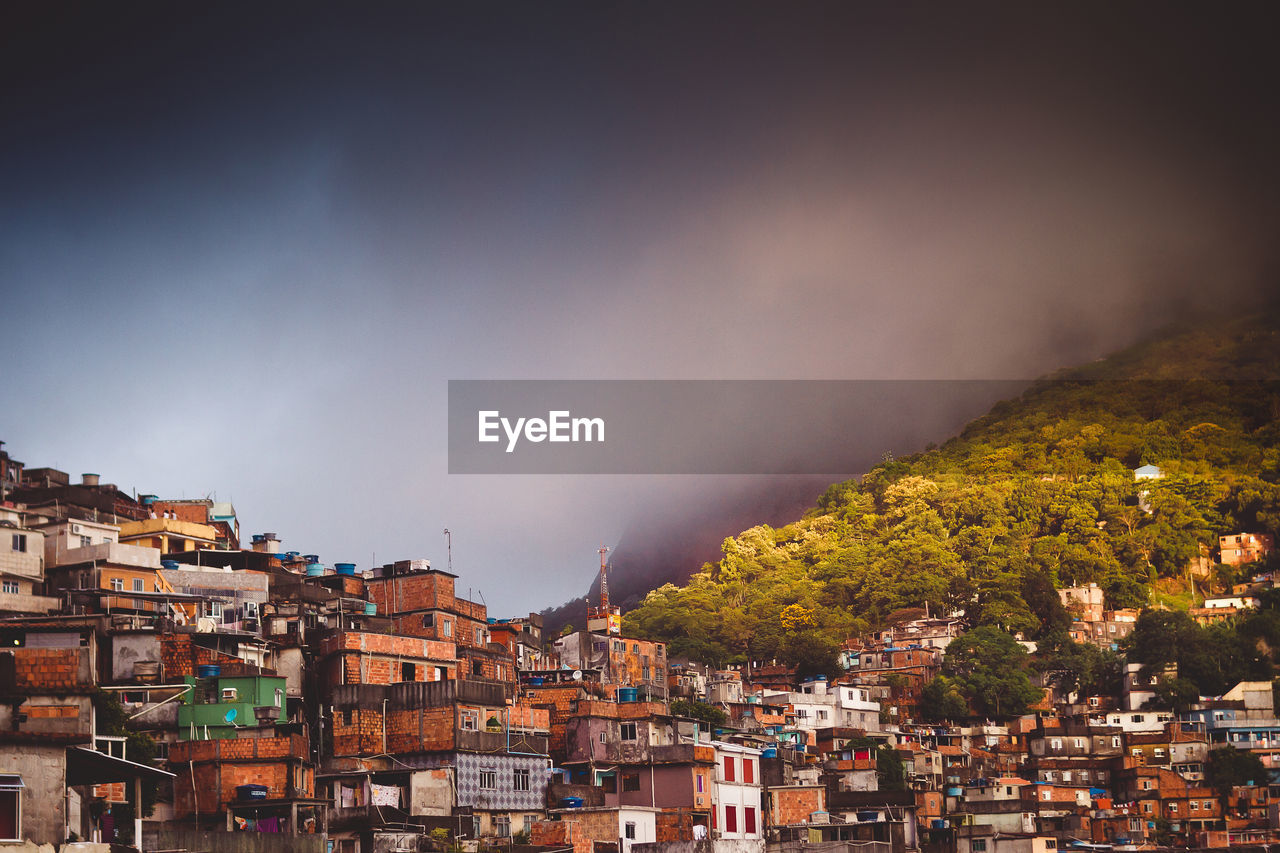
<point x="128" y="649"/>
<point x="790" y="805"/>
<point x="431" y="792"/>
<point x="168" y="535"/>
<point x="64" y="541"/>
<point x="582" y="828"/>
<point x="1240" y="548"/>
<point x="44" y="773"/>
<point x="733" y="796"/>
<point x="503" y="795"/>
<point x="209" y="771"/>
<point x="22" y="552"/>
<point x="620" y="660"/>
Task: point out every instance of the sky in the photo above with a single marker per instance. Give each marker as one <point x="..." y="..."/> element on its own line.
<point x="243" y="249"/>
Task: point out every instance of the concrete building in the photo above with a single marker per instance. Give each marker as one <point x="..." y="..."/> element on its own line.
<point x="1236" y="549"/>
<point x="737" y="794"/>
<point x="22" y="568"/>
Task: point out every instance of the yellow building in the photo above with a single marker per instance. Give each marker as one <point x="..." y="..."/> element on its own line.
<point x="169" y="535"/>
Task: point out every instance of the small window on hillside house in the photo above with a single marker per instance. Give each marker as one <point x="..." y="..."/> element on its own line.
<point x="627" y="731"/>
<point x="631" y="781"/>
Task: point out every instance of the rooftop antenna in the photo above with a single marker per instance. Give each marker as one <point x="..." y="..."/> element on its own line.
<point x="448" y="538"/>
<point x="604" y="581"/>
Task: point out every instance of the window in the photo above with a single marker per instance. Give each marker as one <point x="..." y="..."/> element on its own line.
<point x="728" y="768"/>
<point x="978" y="845"/>
<point x="748" y="820"/>
<point x="1055" y="744"/>
<point x="86" y="541"/>
<point x="1173" y="808"/>
<point x="488" y="778"/>
<point x="748" y="772"/>
<point x="429" y="621"/>
<point x="1051" y="844"/>
<point x="346" y="717"/>
<point x="1195" y="806"/>
<point x="730" y="818"/>
<point x="699" y="783"/>
<point x="603" y="738"/>
<point x="1078" y="743"/>
<point x="502" y="826"/>
<point x="20" y="542"/>
<point x="469" y="721"/>
<point x="138" y="585"/>
<point x="1208" y="805"/>
<point x="1115" y="741"/>
<point x="628" y="731"/>
<point x="479" y="636"/>
<point x="1136" y="718"/>
<point x="408" y="672"/>
<point x="822" y="714"/>
<point x="631" y="781"/>
<point x="629" y="830"/>
<point x="11" y="587"/>
<point x="520" y="779"/>
<point x="117" y="584"/>
<point x="11" y="806"/>
<point x="446" y="628"/>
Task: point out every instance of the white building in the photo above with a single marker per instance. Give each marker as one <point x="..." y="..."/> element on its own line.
<point x="736" y="795"/>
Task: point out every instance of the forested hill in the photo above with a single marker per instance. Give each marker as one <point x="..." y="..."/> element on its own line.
<point x="1037" y="494"/>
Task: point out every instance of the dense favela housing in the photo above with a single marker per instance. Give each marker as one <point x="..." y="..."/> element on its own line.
<point x="170" y="686"/>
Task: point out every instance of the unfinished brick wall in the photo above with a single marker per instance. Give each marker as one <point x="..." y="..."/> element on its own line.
<point x="794" y="805"/>
<point x="360" y="731"/>
<point x="674" y="826"/>
<point x="582" y="830"/>
<point x="219" y="766"/>
<point x="180" y="656"/>
<point x="51" y="669"/>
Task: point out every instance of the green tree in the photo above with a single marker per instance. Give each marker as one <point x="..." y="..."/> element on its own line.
<point x="1229" y="768"/>
<point x="699" y="711"/>
<point x="110" y="718"/>
<point x="988" y="666"/>
<point x="943" y="700"/>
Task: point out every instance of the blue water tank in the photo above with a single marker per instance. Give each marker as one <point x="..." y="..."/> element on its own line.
<point x="627" y="694"/>
<point x="208" y="670"/>
<point x="314" y="570"/>
<point x="571" y="802"/>
<point x="370" y="609"/>
<point x="769" y="752"/>
<point x="345" y="568"/>
<point x="171" y="565"/>
<point x="251" y="792"/>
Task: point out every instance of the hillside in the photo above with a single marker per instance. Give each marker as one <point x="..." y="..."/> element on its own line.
<point x="1039" y="493"/>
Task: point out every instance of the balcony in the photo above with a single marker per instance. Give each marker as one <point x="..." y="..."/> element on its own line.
<point x="497" y="742"/>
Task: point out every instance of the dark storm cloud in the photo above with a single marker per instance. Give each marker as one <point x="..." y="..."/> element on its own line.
<point x="274" y="233"/>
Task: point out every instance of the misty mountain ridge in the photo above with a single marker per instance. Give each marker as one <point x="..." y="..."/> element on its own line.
<point x="1038" y="493"/>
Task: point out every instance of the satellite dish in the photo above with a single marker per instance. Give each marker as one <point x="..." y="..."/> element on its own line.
<point x="577" y="675"/>
<point x="230" y="716"/>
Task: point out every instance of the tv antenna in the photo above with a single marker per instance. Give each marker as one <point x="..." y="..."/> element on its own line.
<point x="448" y="539"/>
